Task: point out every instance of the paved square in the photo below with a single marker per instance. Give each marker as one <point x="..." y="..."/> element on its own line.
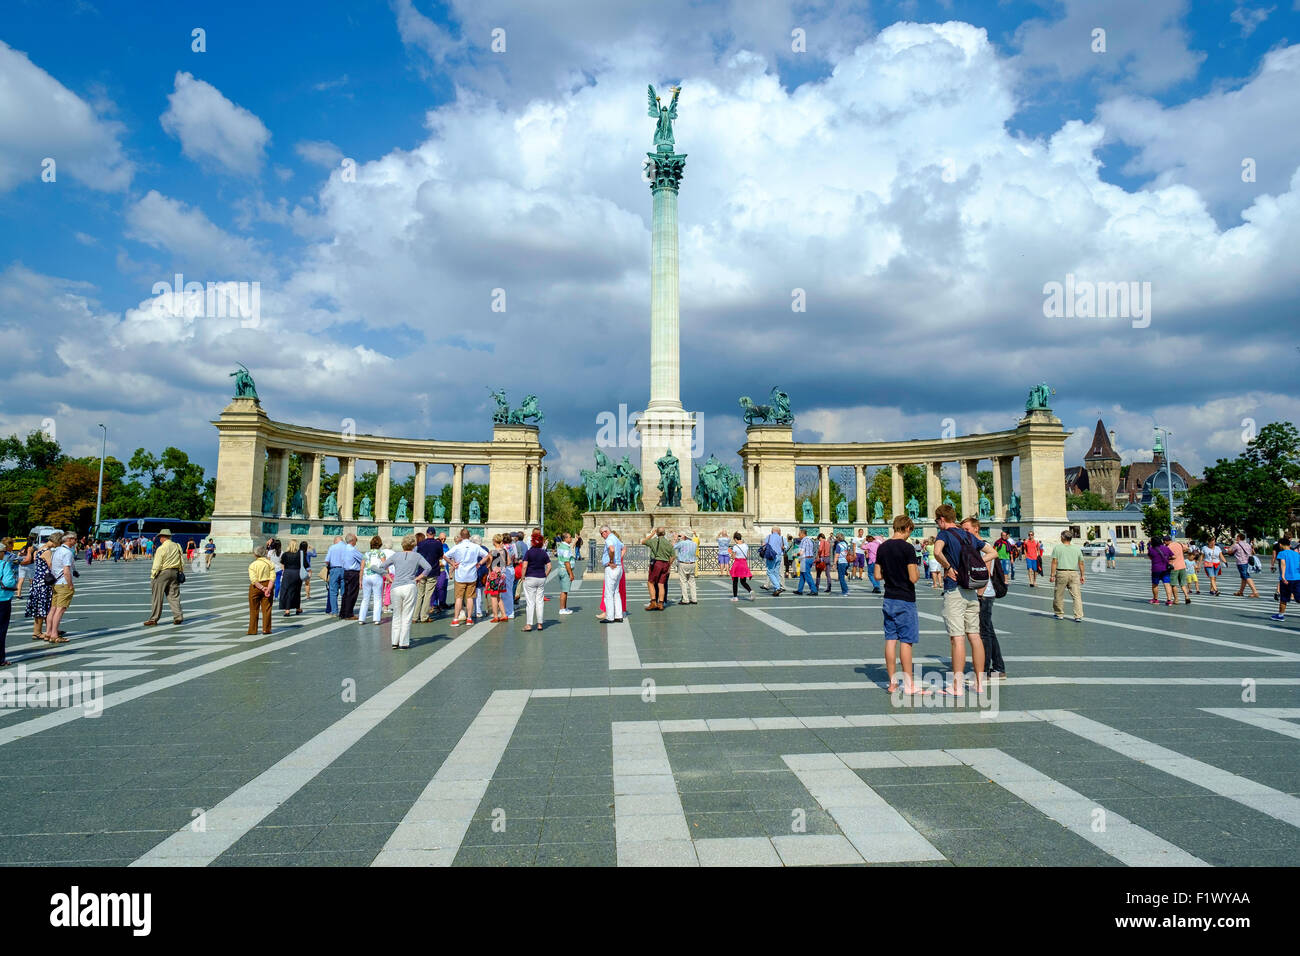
<point x="746" y="734"/>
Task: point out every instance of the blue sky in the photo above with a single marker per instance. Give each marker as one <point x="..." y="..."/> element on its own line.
<point x="819" y="170"/>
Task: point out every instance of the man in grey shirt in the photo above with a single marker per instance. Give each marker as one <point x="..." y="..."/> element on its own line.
<point x="684" y="554"/>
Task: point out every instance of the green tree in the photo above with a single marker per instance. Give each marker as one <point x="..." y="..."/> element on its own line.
<point x="67" y="498"/>
<point x="562" y="512"/>
<point x="1088" y="501"/>
<point x="1155" y="517"/>
<point x="174" y="486"/>
<point x="25" y="464"/>
<point x="1251" y="493"/>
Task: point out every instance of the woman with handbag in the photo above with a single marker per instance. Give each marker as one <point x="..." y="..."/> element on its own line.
<point x="740" y="573"/>
<point x="41" y="595"/>
<point x="291" y="580"/>
<point x="496" y="584"/>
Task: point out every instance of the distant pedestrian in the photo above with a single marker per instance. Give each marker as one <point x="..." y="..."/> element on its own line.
<point x="209" y="552"/>
<point x="773" y="551"/>
<point x="1242" y="553"/>
<point x="612" y="605"/>
<point x="291" y="580"/>
<point x="1033" y="554"/>
<point x="740" y="573"/>
<point x="334" y="576"/>
<point x="661" y="560"/>
<point x="807" y="558"/>
<point x="407" y="568"/>
<point x="62" y="559"/>
<point x="352" y="560"/>
<point x="537" y="567"/>
<point x="564" y="554"/>
<point x="685" y="552"/>
<point x="994" y="667"/>
<point x="1177" y="568"/>
<point x="372" y="581"/>
<point x="724" y="550"/>
<point x="8" y="589"/>
<point x="1212" y="564"/>
<point x="465" y="559"/>
<point x="1288" y="584"/>
<point x="1161" y="560"/>
<point x="261" y="585"/>
<point x="896" y="567"/>
<point x="842" y="563"/>
<point x="872" y="547"/>
<point x="431" y="550"/>
<point x="1067" y="575"/>
<point x="166" y="575"/>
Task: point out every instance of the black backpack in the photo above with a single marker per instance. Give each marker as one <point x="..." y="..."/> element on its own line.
<point x="972" y="572"/>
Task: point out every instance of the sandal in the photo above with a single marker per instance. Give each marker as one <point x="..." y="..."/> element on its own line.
<point x="57" y="640"/>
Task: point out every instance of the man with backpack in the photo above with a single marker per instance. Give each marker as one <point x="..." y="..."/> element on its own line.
<point x="994" y="667"/>
<point x="967" y="568"/>
<point x="1067" y="575"/>
<point x="772" y="551"/>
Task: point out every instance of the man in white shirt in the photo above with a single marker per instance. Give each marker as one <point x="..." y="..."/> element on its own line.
<point x="613" y="555"/>
<point x="61" y="562"/>
<point x="465" y="558"/>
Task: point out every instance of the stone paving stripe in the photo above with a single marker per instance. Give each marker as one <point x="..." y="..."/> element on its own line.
<point x="622" y="646"/>
<point x="737" y="851"/>
<point x="877" y="831"/>
<point x="29" y="727"/>
<point x="238" y="813"/>
<point x="1269" y="718"/>
<point x="785" y="627"/>
<point x="1124" y="840"/>
<point x="1256" y="796"/>
<point x="650" y="826"/>
<point x="437" y="822"/>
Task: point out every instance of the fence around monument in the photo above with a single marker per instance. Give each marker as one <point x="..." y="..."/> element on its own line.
<point x="636" y="558"/>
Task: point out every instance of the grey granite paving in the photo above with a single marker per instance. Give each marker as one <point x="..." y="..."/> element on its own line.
<point x="672" y="747"/>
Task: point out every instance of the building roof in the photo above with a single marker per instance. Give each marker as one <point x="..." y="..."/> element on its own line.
<point x="1101" y="446"/>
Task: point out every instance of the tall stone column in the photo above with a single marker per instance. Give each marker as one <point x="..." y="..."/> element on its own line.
<point x="280" y="475"/>
<point x="383" y="487"/>
<point x="999" y="494"/>
<point x="457" y="480"/>
<point x="539" y="489"/>
<point x="1004" y="469"/>
<point x="347" y="484"/>
<point x="933" y="487"/>
<point x="311" y="474"/>
<point x="896" y="500"/>
<point x="419" y="492"/>
<point x="664" y="425"/>
<point x="860" y="478"/>
<point x="824" y="515"/>
<point x="970" y="496"/>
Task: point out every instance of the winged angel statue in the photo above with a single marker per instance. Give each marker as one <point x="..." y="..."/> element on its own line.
<point x="665" y="115"/>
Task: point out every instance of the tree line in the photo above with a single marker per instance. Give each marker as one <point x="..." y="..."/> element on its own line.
<point x="40" y="485"/>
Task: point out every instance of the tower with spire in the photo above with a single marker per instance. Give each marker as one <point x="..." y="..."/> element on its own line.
<point x="1102" y="465"/>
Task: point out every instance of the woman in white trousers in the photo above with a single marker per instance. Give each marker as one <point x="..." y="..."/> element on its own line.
<point x="408" y="567"/>
<point x="372" y="579"/>
<point x="613" y="571"/>
<point x="537" y="566"/>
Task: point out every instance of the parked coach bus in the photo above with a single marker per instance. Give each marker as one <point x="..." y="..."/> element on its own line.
<point x="183" y="532"/>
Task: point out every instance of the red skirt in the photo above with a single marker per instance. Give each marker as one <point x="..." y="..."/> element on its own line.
<point x="740" y="568"/>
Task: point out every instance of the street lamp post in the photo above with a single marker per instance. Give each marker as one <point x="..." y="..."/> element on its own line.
<point x="99" y="493"/>
<point x="1169" y="474"/>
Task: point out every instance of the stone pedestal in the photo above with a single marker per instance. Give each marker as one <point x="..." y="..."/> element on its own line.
<point x="241" y="456"/>
<point x="773" y="502"/>
<point x="660" y="432"/>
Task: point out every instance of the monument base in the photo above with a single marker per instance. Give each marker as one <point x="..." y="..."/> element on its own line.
<point x="633" y="527"/>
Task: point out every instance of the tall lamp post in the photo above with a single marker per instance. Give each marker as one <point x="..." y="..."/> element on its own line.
<point x="99" y="493"/>
<point x="1163" y="448"/>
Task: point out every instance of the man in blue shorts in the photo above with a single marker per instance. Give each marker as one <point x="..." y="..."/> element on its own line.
<point x="1288" y="585"/>
<point x="896" y="567"/>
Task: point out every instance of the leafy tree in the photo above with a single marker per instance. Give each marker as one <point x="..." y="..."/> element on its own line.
<point x="174" y="486"/>
<point x="1276" y="449"/>
<point x="1155" y="517"/>
<point x="24" y="468"/>
<point x="1088" y="501"/>
<point x="562" y="512"/>
<point x="67" y="498"/>
<point x="1237" y="495"/>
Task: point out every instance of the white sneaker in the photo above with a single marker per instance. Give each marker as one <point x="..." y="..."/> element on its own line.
<point x="734" y="600"/>
<point x="565" y="610"/>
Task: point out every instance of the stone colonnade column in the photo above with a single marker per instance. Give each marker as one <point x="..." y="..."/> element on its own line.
<point x="999" y="494"/>
<point x="457" y="483"/>
<point x="383" y="486"/>
<point x="860" y="479"/>
<point x="824" y="515"/>
<point x="970" y="496"/>
<point x="347" y="479"/>
<point x="418" y="493"/>
<point x="933" y="487"/>
<point x="1002" y="475"/>
<point x="896" y="501"/>
<point x="311" y="493"/>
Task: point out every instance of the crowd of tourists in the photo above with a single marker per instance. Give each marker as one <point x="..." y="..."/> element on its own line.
<point x="415" y="582"/>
